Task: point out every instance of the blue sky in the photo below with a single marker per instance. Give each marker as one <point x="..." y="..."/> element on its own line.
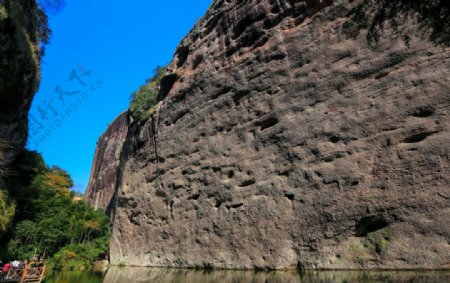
<point x="100" y="52"/>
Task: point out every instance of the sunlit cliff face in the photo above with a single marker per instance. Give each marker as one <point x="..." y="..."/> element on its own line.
<point x="283" y="142"/>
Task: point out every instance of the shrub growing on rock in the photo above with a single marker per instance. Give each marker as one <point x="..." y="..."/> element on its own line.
<point x="433" y="17"/>
<point x="144" y="101"/>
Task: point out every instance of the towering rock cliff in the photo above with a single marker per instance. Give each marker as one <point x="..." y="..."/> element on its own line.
<point x="280" y="142"/>
<point x="102" y="182"/>
<point x="21" y="24"/>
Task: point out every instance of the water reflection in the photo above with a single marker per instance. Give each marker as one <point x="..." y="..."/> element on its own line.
<point x="129" y="275"/>
<point x="147" y="275"/>
<point x="75" y="277"/>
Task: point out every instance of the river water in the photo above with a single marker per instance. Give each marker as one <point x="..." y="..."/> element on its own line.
<point x="147" y="275"/>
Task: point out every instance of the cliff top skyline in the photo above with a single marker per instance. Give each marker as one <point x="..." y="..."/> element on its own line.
<point x="89" y="71"/>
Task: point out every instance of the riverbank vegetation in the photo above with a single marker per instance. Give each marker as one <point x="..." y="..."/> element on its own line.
<point x="49" y="219"/>
<point x="7" y="208"/>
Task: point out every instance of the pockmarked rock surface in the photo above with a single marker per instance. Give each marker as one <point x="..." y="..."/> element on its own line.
<point x="105" y="167"/>
<point x="279" y="142"/>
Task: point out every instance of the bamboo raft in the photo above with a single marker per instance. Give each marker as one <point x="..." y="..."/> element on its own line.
<point x="26" y="275"/>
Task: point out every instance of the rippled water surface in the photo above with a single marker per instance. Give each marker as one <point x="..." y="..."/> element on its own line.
<point x="130" y="275"/>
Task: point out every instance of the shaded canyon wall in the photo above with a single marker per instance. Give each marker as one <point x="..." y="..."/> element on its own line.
<point x="19" y="73"/>
<point x="105" y="167"/>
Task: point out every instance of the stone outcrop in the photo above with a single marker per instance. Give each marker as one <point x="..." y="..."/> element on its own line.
<point x="279" y="142"/>
<point x="105" y="167"/>
<point x="19" y="73"/>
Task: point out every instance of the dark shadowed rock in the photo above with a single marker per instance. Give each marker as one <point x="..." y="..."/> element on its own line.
<point x="105" y="168"/>
<point x="19" y="73"/>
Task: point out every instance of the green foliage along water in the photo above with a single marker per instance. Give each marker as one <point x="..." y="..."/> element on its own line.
<point x="51" y="220"/>
<point x="144" y="101"/>
<point x="7" y="211"/>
